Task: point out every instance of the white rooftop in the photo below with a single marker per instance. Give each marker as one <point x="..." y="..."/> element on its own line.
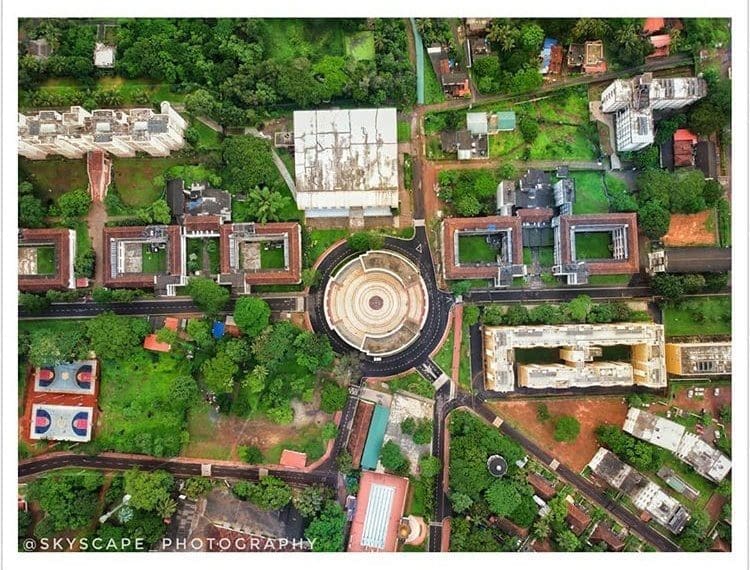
<point x="104" y="55"/>
<point x="654" y="429"/>
<point x="376" y="517"/>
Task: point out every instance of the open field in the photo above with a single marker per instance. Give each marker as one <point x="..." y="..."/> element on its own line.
<point x="692" y="229"/>
<point x="561" y="142"/>
<point x="593" y="245"/>
<point x="154" y="262"/>
<point x="609" y="279"/>
<point x="134" y="178"/>
<point x="289" y="38"/>
<point x="590" y="412"/>
<point x="361" y="46"/>
<point x="475" y="249"/>
<point x="413" y="383"/>
<point x="404" y="131"/>
<point x="45" y="260"/>
<point x="590" y="197"/>
<point x="132" y="91"/>
<point x="54" y="176"/>
<point x="320" y="240"/>
<point x="699" y="316"/>
<point x="507" y="144"/>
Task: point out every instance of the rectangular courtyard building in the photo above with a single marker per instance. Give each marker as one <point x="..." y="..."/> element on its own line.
<point x="645" y="494"/>
<point x="483" y="248"/>
<point x="260" y="254"/>
<point x="699" y="358"/>
<point x="46" y="258"/>
<point x="582" y="356"/>
<point x="346" y="166"/>
<point x="143" y="257"/>
<point x="380" y="505"/>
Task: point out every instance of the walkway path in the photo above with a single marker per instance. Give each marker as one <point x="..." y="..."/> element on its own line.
<point x="418" y="48"/>
<point x="521" y="164"/>
<point x="96" y="221"/>
<point x="458" y="320"/>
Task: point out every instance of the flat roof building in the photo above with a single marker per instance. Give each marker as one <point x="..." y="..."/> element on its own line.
<point x="104" y="55"/>
<point x="346" y="163"/>
<point x="707" y="461"/>
<point x="46" y="258"/>
<point x="579" y="345"/>
<point x="699" y="358"/>
<point x="380" y="505"/>
<point x="644" y="493"/>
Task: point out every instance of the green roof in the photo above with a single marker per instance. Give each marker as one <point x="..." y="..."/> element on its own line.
<point x="375" y="437"/>
<point x="506" y="120"/>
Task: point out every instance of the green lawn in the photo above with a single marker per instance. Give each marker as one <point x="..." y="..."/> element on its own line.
<point x="699" y="316"/>
<point x="433" y="91"/>
<point x="271" y="257"/>
<point x="203" y="441"/>
<point x="444" y="357"/>
<point x="590" y="196"/>
<point x="609" y="279"/>
<point x="361" y="46"/>
<point x="54" y="176"/>
<point x="417" y="498"/>
<point x="507" y="144"/>
<point x="464" y="365"/>
<point x="129" y="89"/>
<point x="413" y="383"/>
<point x="208" y="139"/>
<point x="308" y="441"/>
<point x="475" y="249"/>
<point x="154" y="262"/>
<point x="434" y="149"/>
<point x="545" y="255"/>
<point x="83" y="239"/>
<point x="134" y="178"/>
<point x="320" y="240"/>
<point x="593" y="245"/>
<point x="45" y="260"/>
<point x="404" y="131"/>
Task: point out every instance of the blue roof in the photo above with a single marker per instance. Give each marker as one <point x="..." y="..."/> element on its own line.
<point x="218" y="330"/>
<point x="375" y="437"/>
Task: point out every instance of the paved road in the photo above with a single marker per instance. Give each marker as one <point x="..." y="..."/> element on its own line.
<point x="179" y="467"/>
<point x="698" y="259"/>
<point x="165" y="306"/>
<point x="417" y="250"/>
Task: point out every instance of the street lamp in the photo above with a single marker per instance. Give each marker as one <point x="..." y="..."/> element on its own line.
<point x="105" y="516"/>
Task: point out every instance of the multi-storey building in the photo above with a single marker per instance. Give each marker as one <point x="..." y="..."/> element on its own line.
<point x="119" y="131"/>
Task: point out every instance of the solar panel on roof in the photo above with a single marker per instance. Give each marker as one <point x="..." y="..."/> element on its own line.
<point x="378" y="512"/>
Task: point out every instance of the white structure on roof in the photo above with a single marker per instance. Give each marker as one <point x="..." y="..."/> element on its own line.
<point x="636" y="98"/>
<point x="379" y="505"/>
<point x="476" y="123"/>
<point x="122" y="132"/>
<point x="104" y="55"/>
<point x="707" y="461"/>
<point x="579" y="345"/>
<point x="346" y="162"/>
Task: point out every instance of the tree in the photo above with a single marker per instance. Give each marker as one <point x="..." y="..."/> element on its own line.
<point x="326" y="531"/>
<point x="200" y="331"/>
<point x="429" y="466"/>
<point x="166" y="507"/>
<point x="567" y="429"/>
<point x="567" y="541"/>
<point x="655" y="185"/>
<point x="471" y="315"/>
<point x="668" y="286"/>
<point x="74" y="204"/>
<point x="250" y="454"/>
<point x="314" y="351"/>
<point x="459" y="288"/>
<point x="31" y="210"/>
<point x="266" y="205"/>
<point x="529" y="129"/>
<point x="712" y="193"/>
<point x="393" y="459"/>
<point x="344" y="462"/>
<point x="310" y="500"/>
<point x="197" y="487"/>
<point x="219" y="372"/>
<point x="116" y="337"/>
<point x="468" y="206"/>
<point x="269" y="494"/>
<point x="69" y="500"/>
<point x="460" y="502"/>
<point x="542" y="412"/>
<point x="311" y="277"/>
<point x="48" y="347"/>
<point x="148" y="489"/>
<point x="646" y="158"/>
<point x="579" y="308"/>
<point x="503" y="497"/>
<point x="687" y="193"/>
<point x="653" y="219"/>
<point x="252" y="315"/>
<point x="363" y="241"/>
<point x="248" y="164"/>
<point x="333" y="397"/>
<point x="516" y="315"/>
<point x="207" y="294"/>
<point x="166" y="335"/>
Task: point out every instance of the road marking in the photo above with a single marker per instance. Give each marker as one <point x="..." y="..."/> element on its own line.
<point x="554" y="464"/>
<point x="497" y="422"/>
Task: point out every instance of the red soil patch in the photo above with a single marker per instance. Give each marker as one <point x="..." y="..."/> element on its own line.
<point x="692" y="229"/>
<point x="707" y="402"/>
<point x="590" y="412"/>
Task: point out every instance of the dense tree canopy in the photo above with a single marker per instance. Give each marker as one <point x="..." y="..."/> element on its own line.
<point x="207" y="294"/>
<point x="252" y="315"/>
<point x="326" y="530"/>
<point x="116" y="336"/>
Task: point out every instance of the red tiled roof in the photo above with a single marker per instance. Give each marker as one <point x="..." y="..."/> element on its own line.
<point x="202" y="223"/>
<point x="59" y="238"/>
<point x="577" y="519"/>
<point x="685" y="135"/>
<point x="602" y="533"/>
<point x="294" y="459"/>
<point x="541" y="486"/>
<point x="171" y="323"/>
<point x="401" y="487"/>
<point x="556" y="59"/>
<point x="535" y="214"/>
<point x="608" y="266"/>
<point x="174" y="266"/>
<point x="653" y="25"/>
<point x="151" y="343"/>
<point x="360" y="427"/>
<point x="661" y="41"/>
<point x="683" y="153"/>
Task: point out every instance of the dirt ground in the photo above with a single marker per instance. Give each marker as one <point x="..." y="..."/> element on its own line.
<point x="692" y="229"/>
<point x="708" y="402"/>
<point x="590" y="412"/>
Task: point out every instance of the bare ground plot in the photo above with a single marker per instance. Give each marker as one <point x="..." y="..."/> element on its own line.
<point x="692" y="229"/>
<point x="590" y="412"/>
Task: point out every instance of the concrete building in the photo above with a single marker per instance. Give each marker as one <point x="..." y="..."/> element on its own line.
<point x="635" y="99"/>
<point x="699" y="358"/>
<point x="688" y="447"/>
<point x="104" y="55"/>
<point x="119" y="131"/>
<point x="346" y="164"/>
<point x="644" y="493"/>
<point x="579" y="345"/>
<point x="380" y="505"/>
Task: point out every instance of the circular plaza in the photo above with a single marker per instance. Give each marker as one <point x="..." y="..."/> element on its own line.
<point x="377" y="303"/>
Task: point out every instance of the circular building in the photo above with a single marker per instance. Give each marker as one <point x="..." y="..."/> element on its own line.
<point x="377" y="303"/>
<point x="497" y="465"/>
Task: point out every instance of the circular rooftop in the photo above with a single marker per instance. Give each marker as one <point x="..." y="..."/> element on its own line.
<point x="377" y="303"/>
<point x="497" y="465"/>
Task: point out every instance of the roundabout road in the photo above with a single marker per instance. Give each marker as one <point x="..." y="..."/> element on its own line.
<point x="418" y="252"/>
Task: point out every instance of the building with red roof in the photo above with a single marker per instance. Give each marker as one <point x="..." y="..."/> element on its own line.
<point x="294" y="459"/>
<point x="380" y="504"/>
<point x="661" y="45"/>
<point x="45" y="259"/>
<point x="152" y="343"/>
<point x="577" y="519"/>
<point x="684" y="143"/>
<point x="653" y="25"/>
<point x="602" y="533"/>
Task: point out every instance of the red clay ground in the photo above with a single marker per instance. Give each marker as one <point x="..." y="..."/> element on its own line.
<point x="590" y="412"/>
<point x="692" y="229"/>
<point x="708" y="402"/>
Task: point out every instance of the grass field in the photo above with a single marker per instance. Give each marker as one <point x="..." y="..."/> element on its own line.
<point x="129" y="89"/>
<point x="208" y="139"/>
<point x="271" y="257"/>
<point x="508" y="144"/>
<point x="464" y="365"/>
<point x="413" y="383"/>
<point x="292" y="38"/>
<point x="154" y="262"/>
<point x="361" y="46"/>
<point x="404" y="131"/>
<point x="561" y="142"/>
<point x="54" y="176"/>
<point x="609" y="279"/>
<point x="590" y="196"/>
<point x="444" y="357"/>
<point x="45" y="260"/>
<point x="309" y="440"/>
<point x="475" y="249"/>
<point x="83" y="239"/>
<point x="433" y="92"/>
<point x="134" y="178"/>
<point x="699" y="316"/>
<point x="320" y="240"/>
<point x="593" y="245"/>
<point x="202" y="430"/>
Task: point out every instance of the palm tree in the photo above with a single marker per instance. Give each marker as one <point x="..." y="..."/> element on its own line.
<point x="266" y="204"/>
<point x="503" y="36"/>
<point x="166" y="507"/>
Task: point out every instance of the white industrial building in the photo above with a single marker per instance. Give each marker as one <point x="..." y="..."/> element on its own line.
<point x="635" y="99"/>
<point x="579" y="345"/>
<point x="707" y="461"/>
<point x="346" y="163"/>
<point x="121" y="132"/>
